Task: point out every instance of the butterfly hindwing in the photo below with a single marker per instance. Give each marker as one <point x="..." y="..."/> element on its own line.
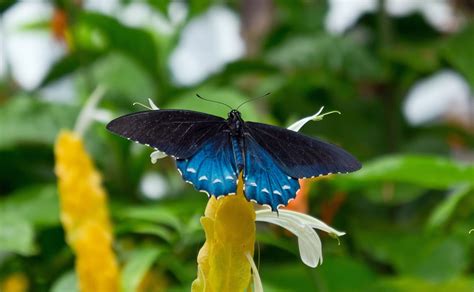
<point x="212" y="169"/>
<point x="301" y="156"/>
<point x="265" y="181"/>
<point x="179" y="133"/>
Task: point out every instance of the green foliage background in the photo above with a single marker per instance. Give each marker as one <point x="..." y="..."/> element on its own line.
<point x="407" y="214"/>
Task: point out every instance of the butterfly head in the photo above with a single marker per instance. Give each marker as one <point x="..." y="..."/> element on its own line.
<point x="235" y="122"/>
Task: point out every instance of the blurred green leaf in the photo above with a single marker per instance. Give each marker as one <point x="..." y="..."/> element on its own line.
<point x="67" y="282"/>
<point x="27" y="120"/>
<point x="69" y="64"/>
<point x="160" y="5"/>
<point x="16" y="235"/>
<point x="137" y="43"/>
<point x="133" y="82"/>
<point x="357" y="276"/>
<point x="445" y="209"/>
<point x="458" y="51"/>
<point x="154" y="214"/>
<point x="403" y="284"/>
<point x="145" y="228"/>
<point x="327" y="53"/>
<point x="137" y="266"/>
<point x="5" y="4"/>
<point x="416" y="254"/>
<point x="226" y="95"/>
<point x="36" y="204"/>
<point x="426" y="171"/>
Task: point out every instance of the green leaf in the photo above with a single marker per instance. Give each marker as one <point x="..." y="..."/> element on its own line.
<point x="133" y="81"/>
<point x="327" y="53"/>
<point x="154" y="214"/>
<point x="402" y="284"/>
<point x="22" y="117"/>
<point x="5" y="4"/>
<point x="357" y="276"/>
<point x="458" y="50"/>
<point x="426" y="171"/>
<point x="69" y="64"/>
<point x="160" y="5"/>
<point x="414" y="253"/>
<point x="446" y="208"/>
<point x="226" y="95"/>
<point x="137" y="43"/>
<point x="36" y="204"/>
<point x="145" y="228"/>
<point x="16" y="235"/>
<point x="67" y="282"/>
<point x="137" y="266"/>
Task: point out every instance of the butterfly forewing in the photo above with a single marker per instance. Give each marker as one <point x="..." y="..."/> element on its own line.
<point x="179" y="133"/>
<point x="298" y="155"/>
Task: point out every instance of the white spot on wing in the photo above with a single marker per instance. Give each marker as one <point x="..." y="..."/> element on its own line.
<point x="264" y="190"/>
<point x="191" y="170"/>
<point x="253" y="184"/>
<point x="203" y="178"/>
<point x="229" y="177"/>
<point x="217" y="181"/>
<point x="286" y="187"/>
<point x="277" y="193"/>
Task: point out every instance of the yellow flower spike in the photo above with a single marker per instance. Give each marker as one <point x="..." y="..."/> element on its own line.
<point x="84" y="215"/>
<point x="16" y="282"/>
<point x="229" y="224"/>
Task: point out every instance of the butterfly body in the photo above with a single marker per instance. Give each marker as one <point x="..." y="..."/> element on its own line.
<point x="212" y="152"/>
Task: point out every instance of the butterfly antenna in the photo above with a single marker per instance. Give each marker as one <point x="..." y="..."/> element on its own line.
<point x="210" y="100"/>
<point x="252" y="99"/>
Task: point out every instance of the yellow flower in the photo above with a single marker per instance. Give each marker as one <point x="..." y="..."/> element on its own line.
<point x="16" y="282"/>
<point x="84" y="215"/>
<point x="223" y="261"/>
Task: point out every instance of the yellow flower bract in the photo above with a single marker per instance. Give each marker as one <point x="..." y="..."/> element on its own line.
<point x="229" y="224"/>
<point x="84" y="215"/>
<point x="16" y="282"/>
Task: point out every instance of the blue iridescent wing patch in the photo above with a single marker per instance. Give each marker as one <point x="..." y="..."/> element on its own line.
<point x="212" y="169"/>
<point x="265" y="181"/>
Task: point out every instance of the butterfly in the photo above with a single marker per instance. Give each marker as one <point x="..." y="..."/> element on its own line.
<point x="211" y="152"/>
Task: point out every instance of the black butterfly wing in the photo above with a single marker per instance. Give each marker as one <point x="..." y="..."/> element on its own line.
<point x="301" y="156"/>
<point x="179" y="133"/>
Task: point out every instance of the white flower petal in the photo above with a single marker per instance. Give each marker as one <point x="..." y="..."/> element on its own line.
<point x="310" y="247"/>
<point x="446" y="92"/>
<point x="208" y="42"/>
<point x="152" y="104"/>
<point x="103" y="116"/>
<point x="88" y="112"/>
<point x="155" y="155"/>
<point x="301" y="225"/>
<point x="300" y="123"/>
<point x="257" y="282"/>
<point x="311" y="221"/>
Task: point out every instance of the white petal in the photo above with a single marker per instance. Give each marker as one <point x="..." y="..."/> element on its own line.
<point x="310" y="247"/>
<point x="343" y="14"/>
<point x="446" y="92"/>
<point x="155" y="155"/>
<point x="299" y="218"/>
<point x="207" y="43"/>
<point x="311" y="221"/>
<point x="300" y="123"/>
<point x="86" y="116"/>
<point x="103" y="116"/>
<point x="308" y="240"/>
<point x="152" y="104"/>
<point x="257" y="282"/>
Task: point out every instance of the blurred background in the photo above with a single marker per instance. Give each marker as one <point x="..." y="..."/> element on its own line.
<point x="400" y="71"/>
